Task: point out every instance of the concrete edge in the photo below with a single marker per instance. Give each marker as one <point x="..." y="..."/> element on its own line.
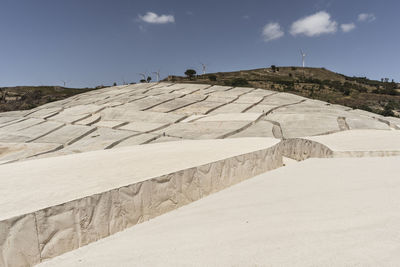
<point x="29" y="239"/>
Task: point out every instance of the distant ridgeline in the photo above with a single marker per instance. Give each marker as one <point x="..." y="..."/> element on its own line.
<point x="27" y="97"/>
<point x="382" y="97"/>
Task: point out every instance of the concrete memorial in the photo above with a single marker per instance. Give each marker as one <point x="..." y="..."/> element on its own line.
<point x="75" y="172"/>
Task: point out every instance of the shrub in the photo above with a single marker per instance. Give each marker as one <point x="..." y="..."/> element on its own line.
<point x="388" y="111"/>
<point x="239" y="82"/>
<point x="212" y="77"/>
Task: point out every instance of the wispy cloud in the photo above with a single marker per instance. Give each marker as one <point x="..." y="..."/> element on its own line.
<point x="272" y="31"/>
<point x="314" y="25"/>
<point x="366" y="17"/>
<point x="153" y="18"/>
<point x="245" y="17"/>
<point x="347" y="27"/>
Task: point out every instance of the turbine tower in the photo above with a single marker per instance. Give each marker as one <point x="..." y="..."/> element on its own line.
<point x="65" y="82"/>
<point x="157" y="73"/>
<point x="303" y="56"/>
<point x="204" y="66"/>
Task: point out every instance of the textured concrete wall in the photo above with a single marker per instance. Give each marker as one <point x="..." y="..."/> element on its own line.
<point x="301" y="149"/>
<point x="32" y="238"/>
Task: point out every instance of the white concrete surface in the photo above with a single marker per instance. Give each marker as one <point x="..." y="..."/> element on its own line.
<point x="141" y="108"/>
<point x="232" y="117"/>
<point x="129" y="191"/>
<point x="320" y="212"/>
<point x="63" y="202"/>
<point x="33" y="185"/>
<point x="360" y="140"/>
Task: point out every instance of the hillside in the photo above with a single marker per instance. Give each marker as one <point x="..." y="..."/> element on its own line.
<point x="316" y="83"/>
<point x="27" y="97"/>
<point x="79" y="170"/>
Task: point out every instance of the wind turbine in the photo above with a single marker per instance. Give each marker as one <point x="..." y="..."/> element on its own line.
<point x="204" y="66"/>
<point x="303" y="56"/>
<point x="157" y="73"/>
<point x="65" y="82"/>
<point x="143" y="75"/>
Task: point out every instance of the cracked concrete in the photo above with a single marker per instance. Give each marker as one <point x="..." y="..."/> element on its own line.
<point x="115" y="129"/>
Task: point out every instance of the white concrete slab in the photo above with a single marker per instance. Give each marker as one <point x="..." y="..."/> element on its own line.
<point x="142" y="126"/>
<point x="232" y="108"/>
<point x="20" y="124"/>
<point x="202" y="107"/>
<point x="99" y="139"/>
<point x="90" y="120"/>
<point x="139" y="139"/>
<point x="66" y="135"/>
<point x="76" y="113"/>
<point x="173" y="105"/>
<point x="32" y="185"/>
<point x="320" y="212"/>
<point x="305" y="124"/>
<point x="259" y="129"/>
<point x="204" y="129"/>
<point x="232" y="117"/>
<point x="109" y="124"/>
<point x="29" y="134"/>
<point x="361" y="140"/>
<point x="17" y="151"/>
<point x="6" y="120"/>
<point x="125" y="113"/>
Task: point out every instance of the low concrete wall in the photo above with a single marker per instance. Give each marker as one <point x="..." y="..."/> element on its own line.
<point x="363" y="154"/>
<point x="301" y="149"/>
<point x="31" y="238"/>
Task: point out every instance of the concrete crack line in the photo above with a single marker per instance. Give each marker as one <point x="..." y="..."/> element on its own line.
<point x="157" y="104"/>
<point x="13" y="122"/>
<point x="32" y="125"/>
<point x="258" y="119"/>
<point x="121" y="140"/>
<point x="184" y="106"/>
<point x="283" y="106"/>
<point x="80" y="137"/>
<point x="255" y="104"/>
<point x="241" y="129"/>
<point x="222" y="104"/>
<point x="49" y="132"/>
<point x="137" y="99"/>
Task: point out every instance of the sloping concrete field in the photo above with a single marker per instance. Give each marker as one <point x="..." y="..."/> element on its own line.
<point x="77" y="174"/>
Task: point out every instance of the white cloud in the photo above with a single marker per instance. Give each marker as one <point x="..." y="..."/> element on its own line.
<point x="365" y="17"/>
<point x="153" y="18"/>
<point x="348" y="27"/>
<point x="272" y="31"/>
<point x="314" y="25"/>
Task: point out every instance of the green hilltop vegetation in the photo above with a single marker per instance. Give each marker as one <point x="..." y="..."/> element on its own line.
<point x="381" y="97"/>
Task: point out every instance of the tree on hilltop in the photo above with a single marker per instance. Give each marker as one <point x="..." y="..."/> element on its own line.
<point x="190" y="73"/>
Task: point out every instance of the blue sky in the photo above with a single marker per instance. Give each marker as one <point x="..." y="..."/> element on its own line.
<point x="93" y="42"/>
